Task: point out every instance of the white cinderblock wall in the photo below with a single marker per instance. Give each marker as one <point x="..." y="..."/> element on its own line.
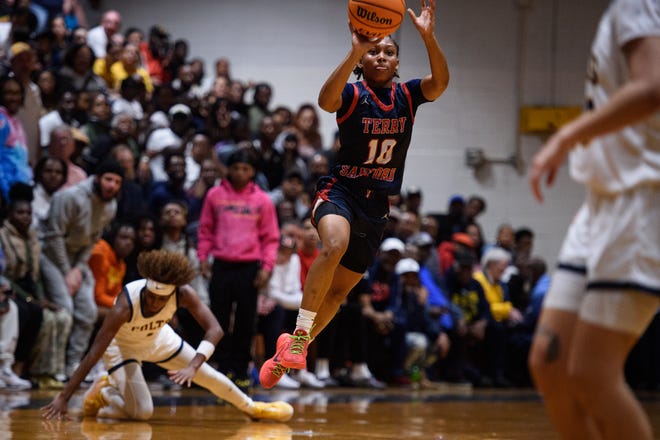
<point x="294" y="44"/>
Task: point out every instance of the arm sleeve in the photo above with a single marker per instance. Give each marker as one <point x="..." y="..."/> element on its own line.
<point x="635" y="19"/>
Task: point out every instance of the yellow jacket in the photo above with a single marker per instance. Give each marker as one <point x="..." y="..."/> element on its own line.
<point x="494" y="293"/>
<point x="119" y="73"/>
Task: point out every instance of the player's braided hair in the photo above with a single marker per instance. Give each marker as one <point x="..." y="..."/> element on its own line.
<point x="359" y="73"/>
<point x="165" y="267"/>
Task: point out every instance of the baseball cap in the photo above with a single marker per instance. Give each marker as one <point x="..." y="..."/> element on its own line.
<point x="406" y="265"/>
<point x="421" y="239"/>
<point x="392" y="244"/>
<point x="456" y="198"/>
<point x="462" y="238"/>
<point x="179" y="109"/>
<point x="159" y="120"/>
<point x="109" y="165"/>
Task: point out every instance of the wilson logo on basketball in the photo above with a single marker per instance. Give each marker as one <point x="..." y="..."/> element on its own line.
<point x="372" y="16"/>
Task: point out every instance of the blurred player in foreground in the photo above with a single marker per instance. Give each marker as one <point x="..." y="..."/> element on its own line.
<point x="606" y="289"/>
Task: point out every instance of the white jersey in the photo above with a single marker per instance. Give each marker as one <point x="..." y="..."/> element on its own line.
<point x="630" y="157"/>
<point x="140" y="332"/>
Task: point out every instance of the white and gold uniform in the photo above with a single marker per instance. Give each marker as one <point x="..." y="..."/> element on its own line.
<point x="609" y="264"/>
<point x="152" y="339"/>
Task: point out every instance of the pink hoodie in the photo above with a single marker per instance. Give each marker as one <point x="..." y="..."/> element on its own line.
<point x="238" y="226"/>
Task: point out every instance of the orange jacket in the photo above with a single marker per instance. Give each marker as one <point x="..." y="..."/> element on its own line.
<point x="108" y="273"/>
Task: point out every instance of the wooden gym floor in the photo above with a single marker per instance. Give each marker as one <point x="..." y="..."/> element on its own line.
<point x="339" y="413"/>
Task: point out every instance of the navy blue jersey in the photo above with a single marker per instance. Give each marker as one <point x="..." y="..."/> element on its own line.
<point x="375" y="128"/>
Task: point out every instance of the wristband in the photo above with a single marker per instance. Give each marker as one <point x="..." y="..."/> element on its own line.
<point x="206" y="349"/>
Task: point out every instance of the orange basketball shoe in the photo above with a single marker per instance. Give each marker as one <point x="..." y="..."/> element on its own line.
<point x="270" y="373"/>
<point x="272" y="370"/>
<point x="93" y="399"/>
<point x="293" y="351"/>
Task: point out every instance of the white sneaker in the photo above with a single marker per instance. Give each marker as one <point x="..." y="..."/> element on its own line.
<point x="12" y="381"/>
<point x="288" y="383"/>
<point x="308" y="379"/>
<point x="18" y="399"/>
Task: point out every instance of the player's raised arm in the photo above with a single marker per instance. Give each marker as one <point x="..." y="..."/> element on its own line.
<point x="433" y="85"/>
<point x="633" y="102"/>
<point x="330" y="94"/>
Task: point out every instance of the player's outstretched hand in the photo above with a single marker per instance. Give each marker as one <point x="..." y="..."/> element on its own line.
<point x="57" y="409"/>
<point x="547" y="162"/>
<point x="183" y="376"/>
<point x="425" y="21"/>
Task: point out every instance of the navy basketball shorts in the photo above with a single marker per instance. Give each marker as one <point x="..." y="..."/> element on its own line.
<point x="366" y="211"/>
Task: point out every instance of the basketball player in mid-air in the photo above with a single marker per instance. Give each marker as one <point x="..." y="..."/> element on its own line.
<point x="375" y="118"/>
<point x="136" y="330"/>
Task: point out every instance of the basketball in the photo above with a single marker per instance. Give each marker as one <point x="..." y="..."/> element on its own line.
<point x="376" y="18"/>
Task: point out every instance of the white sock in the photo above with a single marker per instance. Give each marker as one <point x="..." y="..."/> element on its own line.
<point x="305" y="320"/>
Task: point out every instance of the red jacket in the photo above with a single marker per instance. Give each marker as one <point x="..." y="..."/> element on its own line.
<point x="157" y="71"/>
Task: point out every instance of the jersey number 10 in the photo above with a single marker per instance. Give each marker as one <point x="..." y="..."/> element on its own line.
<point x="380" y="153"/>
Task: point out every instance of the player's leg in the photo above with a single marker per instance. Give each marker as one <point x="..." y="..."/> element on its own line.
<point x="549" y="354"/>
<point x="209" y="378"/>
<point x="366" y="230"/>
<point x="172" y="353"/>
<point x="365" y="223"/>
<point x="610" y="325"/>
<point x="548" y="362"/>
<point x="342" y="283"/>
<point x="123" y="392"/>
<point x="291" y="350"/>
<point x="335" y="232"/>
<point x="221" y="386"/>
<point x="623" y="282"/>
<point x="128" y="395"/>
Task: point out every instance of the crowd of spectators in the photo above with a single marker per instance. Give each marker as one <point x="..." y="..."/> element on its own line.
<point x="442" y="303"/>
